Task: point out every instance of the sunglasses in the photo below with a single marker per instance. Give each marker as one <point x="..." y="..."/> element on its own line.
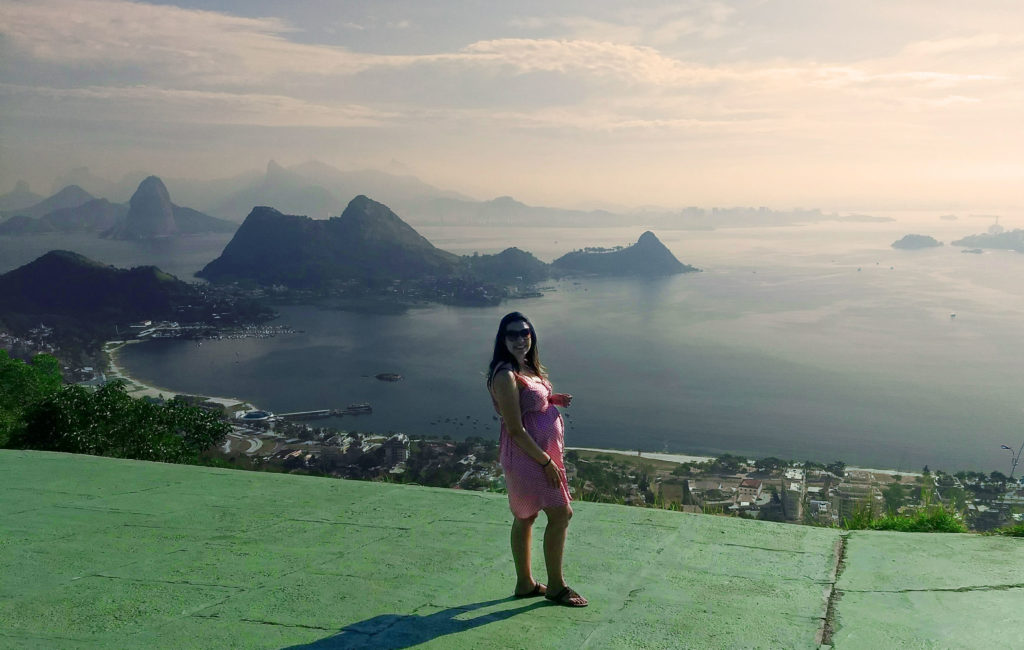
<point x="518" y="334"/>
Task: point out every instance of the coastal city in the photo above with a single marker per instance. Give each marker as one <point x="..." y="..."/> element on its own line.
<point x="768" y="489"/>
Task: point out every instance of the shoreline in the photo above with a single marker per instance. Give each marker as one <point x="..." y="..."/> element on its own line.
<point x="137" y="388"/>
<point x="685" y="458"/>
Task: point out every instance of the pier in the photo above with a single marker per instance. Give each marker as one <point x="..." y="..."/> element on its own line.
<point x="351" y="409"/>
<point x="306" y="415"/>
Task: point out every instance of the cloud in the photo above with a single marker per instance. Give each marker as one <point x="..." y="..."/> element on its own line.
<point x="147" y="103"/>
<point x="645" y="25"/>
<point x="204" y="46"/>
<point x="167" y="45"/>
<point x="962" y="44"/>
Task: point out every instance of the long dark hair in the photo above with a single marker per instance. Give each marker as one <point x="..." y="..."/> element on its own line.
<point x="502" y="356"/>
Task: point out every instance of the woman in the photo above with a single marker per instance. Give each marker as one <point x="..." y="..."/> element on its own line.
<point x="531" y="455"/>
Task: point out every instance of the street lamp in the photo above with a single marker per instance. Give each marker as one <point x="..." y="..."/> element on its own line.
<point x="1016" y="457"/>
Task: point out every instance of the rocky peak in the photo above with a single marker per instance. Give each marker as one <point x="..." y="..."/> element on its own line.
<point x="150" y="212"/>
<point x="648" y="238"/>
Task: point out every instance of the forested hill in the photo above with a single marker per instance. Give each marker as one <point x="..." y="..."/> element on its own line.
<point x="368" y="241"/>
<point x="62" y="283"/>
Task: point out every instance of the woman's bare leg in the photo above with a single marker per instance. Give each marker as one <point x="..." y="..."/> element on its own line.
<point x="554" y="544"/>
<point x="522" y="539"/>
<point x="554" y="548"/>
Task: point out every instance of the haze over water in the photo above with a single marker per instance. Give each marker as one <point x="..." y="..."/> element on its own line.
<point x="780" y="347"/>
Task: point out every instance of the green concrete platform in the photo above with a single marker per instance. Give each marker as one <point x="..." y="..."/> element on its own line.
<point x="102" y="553"/>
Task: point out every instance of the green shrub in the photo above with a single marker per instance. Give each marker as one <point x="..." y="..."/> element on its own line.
<point x="935" y="521"/>
<point x="1016" y="530"/>
<point x="22" y="385"/>
<point x="110" y="422"/>
<point x="928" y="520"/>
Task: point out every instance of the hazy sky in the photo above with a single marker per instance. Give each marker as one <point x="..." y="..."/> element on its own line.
<point x="836" y="104"/>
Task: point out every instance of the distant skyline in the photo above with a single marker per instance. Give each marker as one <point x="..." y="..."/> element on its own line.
<point x="815" y="103"/>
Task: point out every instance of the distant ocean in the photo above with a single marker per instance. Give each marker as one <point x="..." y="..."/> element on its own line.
<point x="814" y="342"/>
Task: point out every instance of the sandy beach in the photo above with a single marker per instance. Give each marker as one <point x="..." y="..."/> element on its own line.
<point x="137" y="388"/>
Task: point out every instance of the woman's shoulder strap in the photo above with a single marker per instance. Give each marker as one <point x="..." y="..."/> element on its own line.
<point x="507" y="367"/>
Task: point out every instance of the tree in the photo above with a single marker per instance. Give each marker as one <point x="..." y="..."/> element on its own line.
<point x="22" y="385"/>
<point x="836" y="467"/>
<point x="894" y="495"/>
<point x="110" y="422"/>
<point x="683" y="469"/>
<point x="727" y="463"/>
<point x="770" y="464"/>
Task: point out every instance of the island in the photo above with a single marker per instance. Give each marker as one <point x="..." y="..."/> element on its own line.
<point x="915" y="242"/>
<point x="647" y="257"/>
<point x="1012" y="240"/>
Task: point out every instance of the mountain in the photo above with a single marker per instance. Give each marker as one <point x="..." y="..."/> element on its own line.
<point x="1010" y="240"/>
<point x="96" y="215"/>
<point x="318" y="190"/>
<point x="18" y="198"/>
<point x="914" y="242"/>
<point x="69" y="197"/>
<point x="368" y="241"/>
<point x="503" y="211"/>
<point x="510" y="266"/>
<point x="151" y="214"/>
<point x="84" y="178"/>
<point x="286" y="191"/>
<point x="397" y="187"/>
<point x="66" y="284"/>
<point x="646" y="257"/>
<point x="92" y="216"/>
<point x="22" y="225"/>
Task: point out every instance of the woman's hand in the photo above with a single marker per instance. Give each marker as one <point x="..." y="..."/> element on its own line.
<point x="560" y="399"/>
<point x="553" y="474"/>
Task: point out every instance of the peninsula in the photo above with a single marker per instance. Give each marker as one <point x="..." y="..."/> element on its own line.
<point x="648" y="256"/>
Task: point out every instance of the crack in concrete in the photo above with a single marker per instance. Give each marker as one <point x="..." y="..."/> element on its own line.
<point x="629" y="598"/>
<point x="276" y="624"/>
<point x="148" y="489"/>
<point x="832" y="595"/>
<point x="165" y="582"/>
<point x="347" y="523"/>
<point x="761" y="548"/>
<point x="502" y="524"/>
<point x="110" y="510"/>
<point x="937" y="589"/>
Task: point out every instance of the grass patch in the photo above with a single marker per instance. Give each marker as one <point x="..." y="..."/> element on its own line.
<point x="1010" y="531"/>
<point x="930" y="520"/>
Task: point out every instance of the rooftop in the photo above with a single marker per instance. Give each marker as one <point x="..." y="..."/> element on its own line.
<point x="100" y="552"/>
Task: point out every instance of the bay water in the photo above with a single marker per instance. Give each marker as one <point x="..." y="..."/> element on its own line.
<point x="811" y="342"/>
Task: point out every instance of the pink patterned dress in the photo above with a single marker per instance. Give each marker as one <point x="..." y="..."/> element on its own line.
<point x="528" y="489"/>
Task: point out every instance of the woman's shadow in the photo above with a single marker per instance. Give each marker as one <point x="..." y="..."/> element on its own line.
<point x="394" y="631"/>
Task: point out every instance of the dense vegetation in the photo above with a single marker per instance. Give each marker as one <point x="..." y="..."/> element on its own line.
<point x="935" y="519"/>
<point x="37" y="411"/>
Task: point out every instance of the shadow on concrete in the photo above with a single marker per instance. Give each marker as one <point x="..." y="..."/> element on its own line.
<point x="394" y="631"/>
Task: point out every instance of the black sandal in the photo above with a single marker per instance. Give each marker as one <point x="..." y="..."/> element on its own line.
<point x="567" y="597"/>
